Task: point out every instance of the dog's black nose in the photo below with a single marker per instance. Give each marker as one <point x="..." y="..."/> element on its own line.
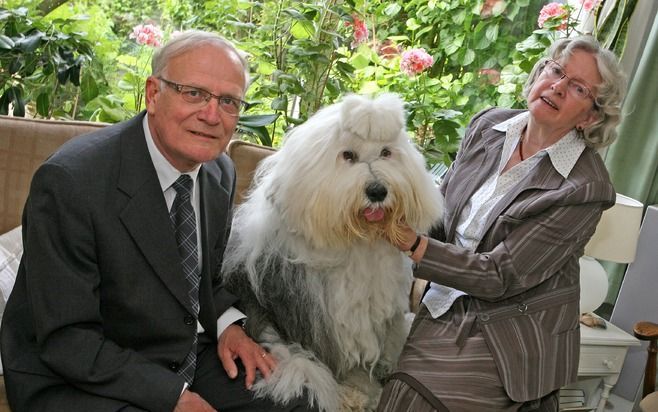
<point x="376" y="192"/>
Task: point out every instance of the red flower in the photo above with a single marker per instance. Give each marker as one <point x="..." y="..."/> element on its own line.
<point x="387" y="49"/>
<point x="360" y="31"/>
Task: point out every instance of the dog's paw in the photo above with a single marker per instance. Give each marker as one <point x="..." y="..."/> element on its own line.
<point x="354" y="400"/>
<point x="299" y="373"/>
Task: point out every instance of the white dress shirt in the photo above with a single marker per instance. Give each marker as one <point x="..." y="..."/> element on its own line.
<point x="167" y="175"/>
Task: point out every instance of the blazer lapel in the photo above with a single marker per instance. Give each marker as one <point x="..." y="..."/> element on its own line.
<point x="543" y="176"/>
<point x="475" y="167"/>
<point x="145" y="215"/>
<point x="215" y="206"/>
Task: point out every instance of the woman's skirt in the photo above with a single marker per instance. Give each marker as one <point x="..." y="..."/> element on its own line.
<point x="446" y="365"/>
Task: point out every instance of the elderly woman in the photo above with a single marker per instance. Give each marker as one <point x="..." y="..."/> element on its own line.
<point x="498" y="328"/>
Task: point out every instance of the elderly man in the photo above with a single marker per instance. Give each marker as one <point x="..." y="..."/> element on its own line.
<point x="118" y="305"/>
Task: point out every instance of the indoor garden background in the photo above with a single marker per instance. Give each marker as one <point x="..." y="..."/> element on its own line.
<point x="87" y="60"/>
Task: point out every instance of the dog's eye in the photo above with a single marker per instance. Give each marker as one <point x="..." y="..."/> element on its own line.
<point x="350" y="156"/>
<point x="385" y="153"/>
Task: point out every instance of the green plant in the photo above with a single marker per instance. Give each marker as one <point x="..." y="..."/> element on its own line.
<point x="38" y="59"/>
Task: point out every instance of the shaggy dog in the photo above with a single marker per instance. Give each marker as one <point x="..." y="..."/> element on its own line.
<point x="323" y="288"/>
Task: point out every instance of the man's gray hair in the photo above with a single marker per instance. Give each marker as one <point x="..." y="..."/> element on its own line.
<point x="191" y="39"/>
<point x="610" y="93"/>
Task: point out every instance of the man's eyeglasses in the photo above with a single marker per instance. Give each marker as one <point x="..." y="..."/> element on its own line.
<point x="553" y="71"/>
<point x="194" y="95"/>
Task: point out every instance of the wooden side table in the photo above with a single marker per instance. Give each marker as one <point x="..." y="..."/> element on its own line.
<point x="602" y="353"/>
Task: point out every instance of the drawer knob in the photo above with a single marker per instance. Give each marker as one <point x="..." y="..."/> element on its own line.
<point x="608" y="363"/>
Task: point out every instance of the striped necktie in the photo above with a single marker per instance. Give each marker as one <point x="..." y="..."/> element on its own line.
<point x="183" y="219"/>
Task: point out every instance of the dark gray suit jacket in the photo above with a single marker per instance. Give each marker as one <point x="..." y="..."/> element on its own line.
<point x="524" y="274"/>
<point x="100" y="302"/>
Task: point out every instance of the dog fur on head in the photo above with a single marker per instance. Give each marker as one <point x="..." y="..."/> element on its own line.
<point x="322" y="287"/>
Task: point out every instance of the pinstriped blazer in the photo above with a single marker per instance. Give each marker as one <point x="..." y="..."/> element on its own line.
<point x="524" y="274"/>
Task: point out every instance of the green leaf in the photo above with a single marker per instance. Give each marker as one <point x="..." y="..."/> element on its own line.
<point x="74" y="75"/>
<point x="302" y="29"/>
<point x="492" y="33"/>
<point x="260" y="133"/>
<point x="258" y="120"/>
<point x="43" y="104"/>
<point x="468" y="58"/>
<point x="6" y="42"/>
<point x="88" y="87"/>
<point x="392" y="9"/>
<point x="29" y="44"/>
<point x="412" y="24"/>
<point x="280" y="103"/>
<point x="18" y="102"/>
<point x="359" y="61"/>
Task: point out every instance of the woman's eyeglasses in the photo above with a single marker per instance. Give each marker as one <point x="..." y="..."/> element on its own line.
<point x="194" y="95"/>
<point x="553" y="71"/>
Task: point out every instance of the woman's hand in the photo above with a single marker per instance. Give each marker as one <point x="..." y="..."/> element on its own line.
<point x="408" y="240"/>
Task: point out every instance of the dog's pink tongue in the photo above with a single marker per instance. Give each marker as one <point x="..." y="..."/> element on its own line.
<point x="373" y="215"/>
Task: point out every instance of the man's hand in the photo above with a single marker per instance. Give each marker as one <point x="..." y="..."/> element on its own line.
<point x="233" y="344"/>
<point x="192" y="402"/>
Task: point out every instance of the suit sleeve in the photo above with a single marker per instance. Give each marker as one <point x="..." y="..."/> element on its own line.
<point x="64" y="283"/>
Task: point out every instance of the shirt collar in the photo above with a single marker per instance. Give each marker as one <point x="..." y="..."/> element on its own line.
<point x="167" y="173"/>
<point x="563" y="154"/>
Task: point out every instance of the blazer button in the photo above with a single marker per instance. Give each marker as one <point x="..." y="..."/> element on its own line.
<point x="189" y="320"/>
<point x="174" y="366"/>
<point x="483" y="317"/>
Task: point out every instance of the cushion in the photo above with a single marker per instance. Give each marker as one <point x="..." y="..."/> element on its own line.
<point x="11" y="250"/>
<point x="24" y="145"/>
<point x="246" y="157"/>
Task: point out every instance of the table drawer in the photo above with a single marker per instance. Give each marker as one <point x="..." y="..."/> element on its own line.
<point x="601" y="360"/>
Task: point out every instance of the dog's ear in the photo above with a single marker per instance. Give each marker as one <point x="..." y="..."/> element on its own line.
<point x="380" y="119"/>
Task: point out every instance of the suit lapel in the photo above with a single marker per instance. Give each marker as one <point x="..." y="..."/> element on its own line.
<point x="215" y="205"/>
<point x="145" y="215"/>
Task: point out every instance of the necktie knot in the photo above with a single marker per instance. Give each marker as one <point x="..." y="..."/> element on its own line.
<point x="183" y="186"/>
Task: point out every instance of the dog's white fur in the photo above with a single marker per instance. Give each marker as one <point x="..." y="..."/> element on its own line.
<point x="323" y="288"/>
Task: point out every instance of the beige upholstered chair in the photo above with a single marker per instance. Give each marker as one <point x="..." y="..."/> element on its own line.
<point x="246" y="157"/>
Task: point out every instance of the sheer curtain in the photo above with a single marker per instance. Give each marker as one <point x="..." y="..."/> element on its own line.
<point x="633" y="159"/>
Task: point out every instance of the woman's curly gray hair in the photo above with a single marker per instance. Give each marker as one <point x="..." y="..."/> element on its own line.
<point x="610" y="93"/>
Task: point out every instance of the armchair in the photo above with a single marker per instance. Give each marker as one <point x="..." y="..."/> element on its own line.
<point x="649" y="331"/>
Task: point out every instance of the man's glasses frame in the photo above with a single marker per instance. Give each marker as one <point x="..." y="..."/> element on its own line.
<point x="578" y="88"/>
<point x="196" y="95"/>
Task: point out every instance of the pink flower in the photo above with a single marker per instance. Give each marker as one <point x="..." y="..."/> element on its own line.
<point x="147" y="34"/>
<point x="415" y="61"/>
<point x="589" y="5"/>
<point x="492" y="75"/>
<point x="488" y="7"/>
<point x="553" y="11"/>
<point x="360" y="31"/>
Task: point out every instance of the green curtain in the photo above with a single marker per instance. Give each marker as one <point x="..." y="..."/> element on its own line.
<point x="633" y="159"/>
